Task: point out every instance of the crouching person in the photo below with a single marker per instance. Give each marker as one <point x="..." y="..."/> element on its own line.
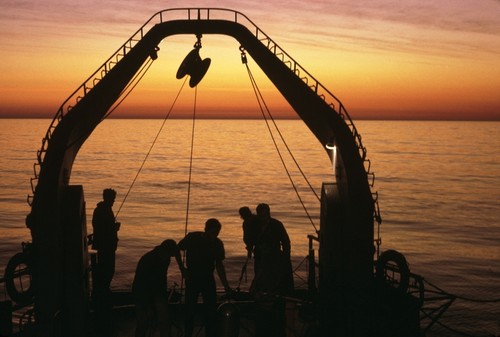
<point x="150" y="288"/>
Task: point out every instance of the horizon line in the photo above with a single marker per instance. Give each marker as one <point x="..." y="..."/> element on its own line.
<point x="386" y="118"/>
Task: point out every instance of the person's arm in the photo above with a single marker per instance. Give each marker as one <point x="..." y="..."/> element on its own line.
<point x="180" y="264"/>
<point x="249" y="248"/>
<point x="182" y="245"/>
<point x="247" y="236"/>
<point x="221" y="271"/>
<point x="285" y="241"/>
<point x="96" y="238"/>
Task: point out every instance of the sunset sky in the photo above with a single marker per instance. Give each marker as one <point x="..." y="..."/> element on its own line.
<point x="409" y="59"/>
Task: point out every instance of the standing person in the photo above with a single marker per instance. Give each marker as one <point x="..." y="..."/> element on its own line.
<point x="272" y="254"/>
<point x="250" y="229"/>
<point x="105" y="240"/>
<point x="204" y="253"/>
<point x="273" y="275"/>
<point x="150" y="288"/>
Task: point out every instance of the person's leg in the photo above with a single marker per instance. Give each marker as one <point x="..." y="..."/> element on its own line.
<point x="279" y="318"/>
<point x="106" y="261"/>
<point x="209" y="294"/>
<point x="102" y="299"/>
<point x="143" y="313"/>
<point x="162" y="315"/>
<point x="191" y="297"/>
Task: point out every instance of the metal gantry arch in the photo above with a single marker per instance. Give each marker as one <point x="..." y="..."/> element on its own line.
<point x="80" y="114"/>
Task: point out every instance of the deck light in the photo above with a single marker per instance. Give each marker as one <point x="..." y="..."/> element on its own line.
<point x="331" y="146"/>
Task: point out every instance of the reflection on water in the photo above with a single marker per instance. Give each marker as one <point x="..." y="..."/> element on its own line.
<point x="437" y="181"/>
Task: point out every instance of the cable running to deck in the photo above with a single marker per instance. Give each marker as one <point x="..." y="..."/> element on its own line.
<point x="133" y="83"/>
<point x="151" y="147"/>
<point x="262" y="105"/>
<point x="191" y="161"/>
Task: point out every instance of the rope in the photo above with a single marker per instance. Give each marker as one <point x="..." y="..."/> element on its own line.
<point x="458" y="332"/>
<point x="260" y="100"/>
<point x="243" y="273"/>
<point x="189" y="179"/>
<point x="244" y="60"/>
<point x="191" y="161"/>
<point x="151" y="147"/>
<point x="462" y="297"/>
<point x="454" y="297"/>
<point x="140" y="74"/>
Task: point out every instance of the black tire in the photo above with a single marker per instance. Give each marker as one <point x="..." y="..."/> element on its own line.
<point x="20" y="297"/>
<point x="394" y="257"/>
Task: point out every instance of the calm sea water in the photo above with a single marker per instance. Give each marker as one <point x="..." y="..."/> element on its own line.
<point x="438" y="184"/>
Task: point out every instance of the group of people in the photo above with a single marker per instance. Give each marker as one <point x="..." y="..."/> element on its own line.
<point x="265" y="238"/>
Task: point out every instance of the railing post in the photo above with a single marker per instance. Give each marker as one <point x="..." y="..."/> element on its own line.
<point x="311" y="275"/>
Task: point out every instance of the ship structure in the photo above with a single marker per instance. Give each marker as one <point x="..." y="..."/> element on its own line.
<point x="353" y="288"/>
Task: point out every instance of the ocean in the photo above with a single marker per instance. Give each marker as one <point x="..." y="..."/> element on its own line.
<point x="438" y="184"/>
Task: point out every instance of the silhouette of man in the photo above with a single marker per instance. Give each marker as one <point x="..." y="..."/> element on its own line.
<point x="250" y="229"/>
<point x="204" y="253"/>
<point x="273" y="274"/>
<point x="105" y="240"/>
<point x="150" y="288"/>
<point x="272" y="254"/>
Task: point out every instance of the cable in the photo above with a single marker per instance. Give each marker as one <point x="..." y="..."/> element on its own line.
<point x="259" y="100"/>
<point x="286" y="145"/>
<point x="453" y="297"/>
<point x="140" y="74"/>
<point x="151" y="147"/>
<point x="462" y="297"/>
<point x="191" y="162"/>
<point x="189" y="178"/>
<point x="465" y="334"/>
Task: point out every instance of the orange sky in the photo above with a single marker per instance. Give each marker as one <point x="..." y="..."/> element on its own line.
<point x="417" y="59"/>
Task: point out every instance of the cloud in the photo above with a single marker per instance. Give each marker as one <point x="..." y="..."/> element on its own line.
<point x="456" y="28"/>
<point x="448" y="27"/>
<point x="464" y="15"/>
